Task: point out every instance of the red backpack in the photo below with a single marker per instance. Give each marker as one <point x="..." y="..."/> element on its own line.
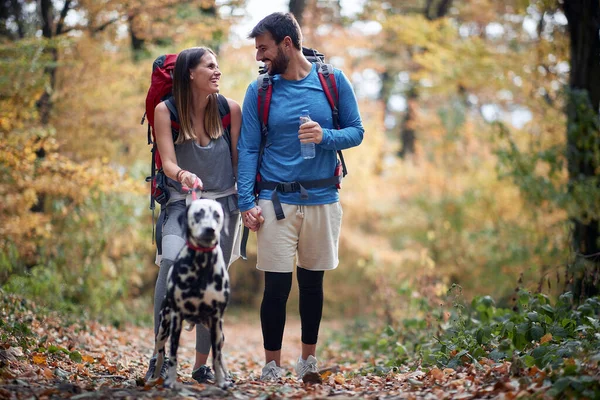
<point x="161" y="86"/>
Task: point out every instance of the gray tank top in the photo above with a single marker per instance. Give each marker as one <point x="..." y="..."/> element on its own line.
<point x="212" y="163"/>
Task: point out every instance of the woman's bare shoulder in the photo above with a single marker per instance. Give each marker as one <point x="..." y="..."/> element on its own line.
<point x="233" y="105"/>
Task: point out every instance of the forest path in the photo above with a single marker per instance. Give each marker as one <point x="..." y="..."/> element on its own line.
<point x="47" y="357"/>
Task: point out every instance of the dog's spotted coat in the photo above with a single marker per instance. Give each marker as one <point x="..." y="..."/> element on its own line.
<point x="197" y="289"/>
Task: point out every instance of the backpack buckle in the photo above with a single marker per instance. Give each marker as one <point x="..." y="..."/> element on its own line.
<point x="288" y="187"/>
<point x="324" y="70"/>
<point x="161" y="198"/>
<point x="265" y="82"/>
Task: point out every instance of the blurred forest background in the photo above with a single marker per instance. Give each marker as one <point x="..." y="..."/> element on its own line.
<point x="479" y="169"/>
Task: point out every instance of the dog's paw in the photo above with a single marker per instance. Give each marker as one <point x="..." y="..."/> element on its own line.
<point x="226" y="384"/>
<point x="150" y="383"/>
<point x="169" y="384"/>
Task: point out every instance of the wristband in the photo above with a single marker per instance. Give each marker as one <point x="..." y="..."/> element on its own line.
<point x="180" y="174"/>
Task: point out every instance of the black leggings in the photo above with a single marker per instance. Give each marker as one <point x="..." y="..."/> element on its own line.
<point x="272" y="309"/>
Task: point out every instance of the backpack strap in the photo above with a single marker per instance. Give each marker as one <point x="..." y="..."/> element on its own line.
<point x="170" y="103"/>
<point x="327" y="79"/>
<point x="265" y="92"/>
<point x="224" y="111"/>
<point x="225" y="114"/>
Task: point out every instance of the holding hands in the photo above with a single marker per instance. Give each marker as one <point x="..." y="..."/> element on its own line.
<point x="253" y="218"/>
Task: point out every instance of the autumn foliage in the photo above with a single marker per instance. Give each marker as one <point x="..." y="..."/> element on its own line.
<point x="462" y="177"/>
<point x="464" y="261"/>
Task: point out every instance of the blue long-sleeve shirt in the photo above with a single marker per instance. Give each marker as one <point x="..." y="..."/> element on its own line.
<point x="281" y="161"/>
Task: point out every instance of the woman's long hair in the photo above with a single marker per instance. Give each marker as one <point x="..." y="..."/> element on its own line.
<point x="182" y="92"/>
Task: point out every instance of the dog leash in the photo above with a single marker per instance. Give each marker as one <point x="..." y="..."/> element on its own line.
<point x="193" y="189"/>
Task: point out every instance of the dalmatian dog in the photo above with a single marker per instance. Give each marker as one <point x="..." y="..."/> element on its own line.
<point x="197" y="289"/>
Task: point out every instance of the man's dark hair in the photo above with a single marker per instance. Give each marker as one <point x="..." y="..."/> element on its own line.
<point x="279" y="25"/>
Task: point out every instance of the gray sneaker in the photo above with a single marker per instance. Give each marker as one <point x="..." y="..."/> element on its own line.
<point x="307" y="370"/>
<point x="271" y="372"/>
<point x="152" y="368"/>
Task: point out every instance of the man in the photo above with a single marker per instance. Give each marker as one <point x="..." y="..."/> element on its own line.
<point x="306" y="227"/>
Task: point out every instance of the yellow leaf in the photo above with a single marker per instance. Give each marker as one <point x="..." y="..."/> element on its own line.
<point x="546" y="338"/>
<point x="325" y="375"/>
<point x="339" y="379"/>
<point x="88" y="359"/>
<point x="39" y="359"/>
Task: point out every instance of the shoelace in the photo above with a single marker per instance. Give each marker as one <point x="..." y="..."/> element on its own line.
<point x="272" y="372"/>
<point x="307" y="367"/>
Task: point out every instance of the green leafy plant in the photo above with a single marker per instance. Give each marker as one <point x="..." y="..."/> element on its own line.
<point x="555" y="336"/>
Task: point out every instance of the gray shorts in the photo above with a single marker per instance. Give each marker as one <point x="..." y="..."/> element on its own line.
<point x="172" y="232"/>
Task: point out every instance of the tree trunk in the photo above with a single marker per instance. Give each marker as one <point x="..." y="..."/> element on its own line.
<point x="297" y="8"/>
<point x="137" y="43"/>
<point x="17" y="11"/>
<point x="582" y="132"/>
<point x="408" y="136"/>
<point x="407" y="129"/>
<point x="49" y="31"/>
<point x="44" y="103"/>
<point x="435" y="10"/>
<point x="209" y="8"/>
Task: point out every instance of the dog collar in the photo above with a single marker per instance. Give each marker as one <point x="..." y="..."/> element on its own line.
<point x="200" y="249"/>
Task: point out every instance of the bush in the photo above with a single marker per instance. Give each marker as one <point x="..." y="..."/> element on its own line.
<point x="95" y="262"/>
<point x="557" y="337"/>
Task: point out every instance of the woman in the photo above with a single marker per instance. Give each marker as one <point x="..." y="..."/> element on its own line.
<point x="200" y="154"/>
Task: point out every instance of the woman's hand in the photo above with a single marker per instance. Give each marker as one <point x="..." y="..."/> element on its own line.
<point x="188" y="179"/>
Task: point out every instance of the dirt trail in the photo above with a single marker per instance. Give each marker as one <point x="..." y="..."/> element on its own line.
<point x="243" y="349"/>
<point x="45" y="357"/>
<point x="61" y="360"/>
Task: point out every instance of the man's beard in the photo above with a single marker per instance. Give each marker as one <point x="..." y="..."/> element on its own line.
<point x="279" y="64"/>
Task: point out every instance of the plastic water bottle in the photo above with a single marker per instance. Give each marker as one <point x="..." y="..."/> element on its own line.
<point x="307" y="150"/>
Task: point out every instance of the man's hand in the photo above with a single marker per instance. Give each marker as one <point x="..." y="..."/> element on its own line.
<point x="253" y="218"/>
<point x="310" y="132"/>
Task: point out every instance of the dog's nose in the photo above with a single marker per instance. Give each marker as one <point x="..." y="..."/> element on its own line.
<point x="209" y="231"/>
